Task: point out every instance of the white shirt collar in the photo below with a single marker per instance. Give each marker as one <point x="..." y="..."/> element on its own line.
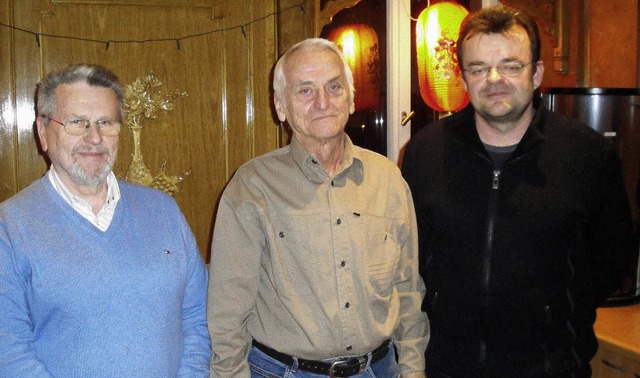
<point x="105" y="215"/>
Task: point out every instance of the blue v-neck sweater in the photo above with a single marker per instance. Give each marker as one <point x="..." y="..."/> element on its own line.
<point x="79" y="302"/>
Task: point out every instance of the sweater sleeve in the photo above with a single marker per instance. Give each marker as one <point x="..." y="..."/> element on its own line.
<point x="17" y="353"/>
<point x="197" y="345"/>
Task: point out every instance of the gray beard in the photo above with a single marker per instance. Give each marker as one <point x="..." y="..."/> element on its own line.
<point x="82" y="178"/>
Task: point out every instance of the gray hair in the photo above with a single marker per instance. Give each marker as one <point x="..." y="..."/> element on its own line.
<point x="92" y="74"/>
<point x="279" y="79"/>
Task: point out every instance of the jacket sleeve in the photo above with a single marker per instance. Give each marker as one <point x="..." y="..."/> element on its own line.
<point x="610" y="232"/>
<point x="412" y="334"/>
<point x="234" y="275"/>
<point x="17" y="354"/>
<point x="411" y="174"/>
<point x="197" y="346"/>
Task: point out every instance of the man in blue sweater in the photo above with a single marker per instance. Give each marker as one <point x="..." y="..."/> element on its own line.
<point x="98" y="277"/>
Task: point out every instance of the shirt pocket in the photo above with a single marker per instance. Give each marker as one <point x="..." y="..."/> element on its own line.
<point x="295" y="263"/>
<point x="382" y="239"/>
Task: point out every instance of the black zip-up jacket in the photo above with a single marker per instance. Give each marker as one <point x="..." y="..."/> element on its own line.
<point x="516" y="260"/>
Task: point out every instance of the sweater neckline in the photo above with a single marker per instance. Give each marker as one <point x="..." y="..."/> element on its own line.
<point x="83" y="224"/>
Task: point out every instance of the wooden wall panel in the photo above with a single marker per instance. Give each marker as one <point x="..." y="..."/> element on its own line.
<point x="611" y="29"/>
<point x="262" y="120"/>
<point x="225" y="69"/>
<point x="8" y="129"/>
<point x="23" y="57"/>
<point x="238" y="134"/>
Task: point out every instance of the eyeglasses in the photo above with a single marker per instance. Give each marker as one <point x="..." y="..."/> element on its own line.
<point x="78" y="127"/>
<point x="506" y="69"/>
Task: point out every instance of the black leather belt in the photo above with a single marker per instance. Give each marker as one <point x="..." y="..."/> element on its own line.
<point x="341" y="367"/>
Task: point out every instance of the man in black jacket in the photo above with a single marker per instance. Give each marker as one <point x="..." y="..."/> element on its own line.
<point x="523" y="218"/>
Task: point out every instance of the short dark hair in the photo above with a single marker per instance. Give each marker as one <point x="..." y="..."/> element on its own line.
<point x="499" y="19"/>
<point x="91" y="74"/>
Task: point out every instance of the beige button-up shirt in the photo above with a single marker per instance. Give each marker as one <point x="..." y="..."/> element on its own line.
<point x="315" y="267"/>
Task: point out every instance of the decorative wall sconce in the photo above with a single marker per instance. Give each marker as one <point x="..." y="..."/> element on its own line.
<point x="359" y="44"/>
<point x="439" y="75"/>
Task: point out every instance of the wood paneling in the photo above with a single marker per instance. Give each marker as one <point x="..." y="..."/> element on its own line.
<point x="602" y="41"/>
<point x="219" y="52"/>
<point x="8" y="127"/>
<point x="611" y="30"/>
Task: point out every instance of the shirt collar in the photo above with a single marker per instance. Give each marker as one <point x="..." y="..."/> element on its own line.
<point x="350" y="168"/>
<point x="113" y="190"/>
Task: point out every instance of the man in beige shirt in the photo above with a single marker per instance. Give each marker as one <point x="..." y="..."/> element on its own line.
<point x="314" y="265"/>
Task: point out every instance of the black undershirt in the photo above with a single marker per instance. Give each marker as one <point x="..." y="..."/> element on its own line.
<point x="499" y="154"/>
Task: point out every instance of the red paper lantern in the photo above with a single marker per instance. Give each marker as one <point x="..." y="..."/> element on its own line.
<point x="359" y="44"/>
<point x="439" y="75"/>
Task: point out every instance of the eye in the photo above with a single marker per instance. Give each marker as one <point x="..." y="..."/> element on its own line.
<point x="104" y="123"/>
<point x="75" y="122"/>
<point x="477" y="70"/>
<point x="335" y="88"/>
<point x="511" y="68"/>
<point x="305" y="94"/>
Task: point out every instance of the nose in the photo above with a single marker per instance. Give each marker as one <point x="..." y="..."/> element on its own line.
<point x="93" y="134"/>
<point x="322" y="100"/>
<point x="493" y="74"/>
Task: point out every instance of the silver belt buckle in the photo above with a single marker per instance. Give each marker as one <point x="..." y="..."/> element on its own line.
<point x="362" y="364"/>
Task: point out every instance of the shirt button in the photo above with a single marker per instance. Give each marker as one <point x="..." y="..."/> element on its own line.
<point x="343" y="263"/>
<point x="281" y="234"/>
<point x="349" y="347"/>
<point x="347" y="305"/>
<point x="339" y="221"/>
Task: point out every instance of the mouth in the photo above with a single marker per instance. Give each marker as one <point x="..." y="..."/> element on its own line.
<point x="323" y="117"/>
<point x="97" y="153"/>
<point x="91" y="153"/>
<point x="497" y="95"/>
<point x="496" y="91"/>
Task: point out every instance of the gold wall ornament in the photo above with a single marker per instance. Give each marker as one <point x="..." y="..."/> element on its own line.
<point x="167" y="183"/>
<point x="143" y="99"/>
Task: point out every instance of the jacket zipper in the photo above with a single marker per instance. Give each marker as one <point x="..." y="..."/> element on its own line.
<point x="491" y="218"/>
<point x="496" y="180"/>
<point x="488" y="249"/>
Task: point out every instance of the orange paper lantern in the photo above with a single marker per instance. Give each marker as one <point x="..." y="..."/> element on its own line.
<point x="359" y="44"/>
<point x="439" y="76"/>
